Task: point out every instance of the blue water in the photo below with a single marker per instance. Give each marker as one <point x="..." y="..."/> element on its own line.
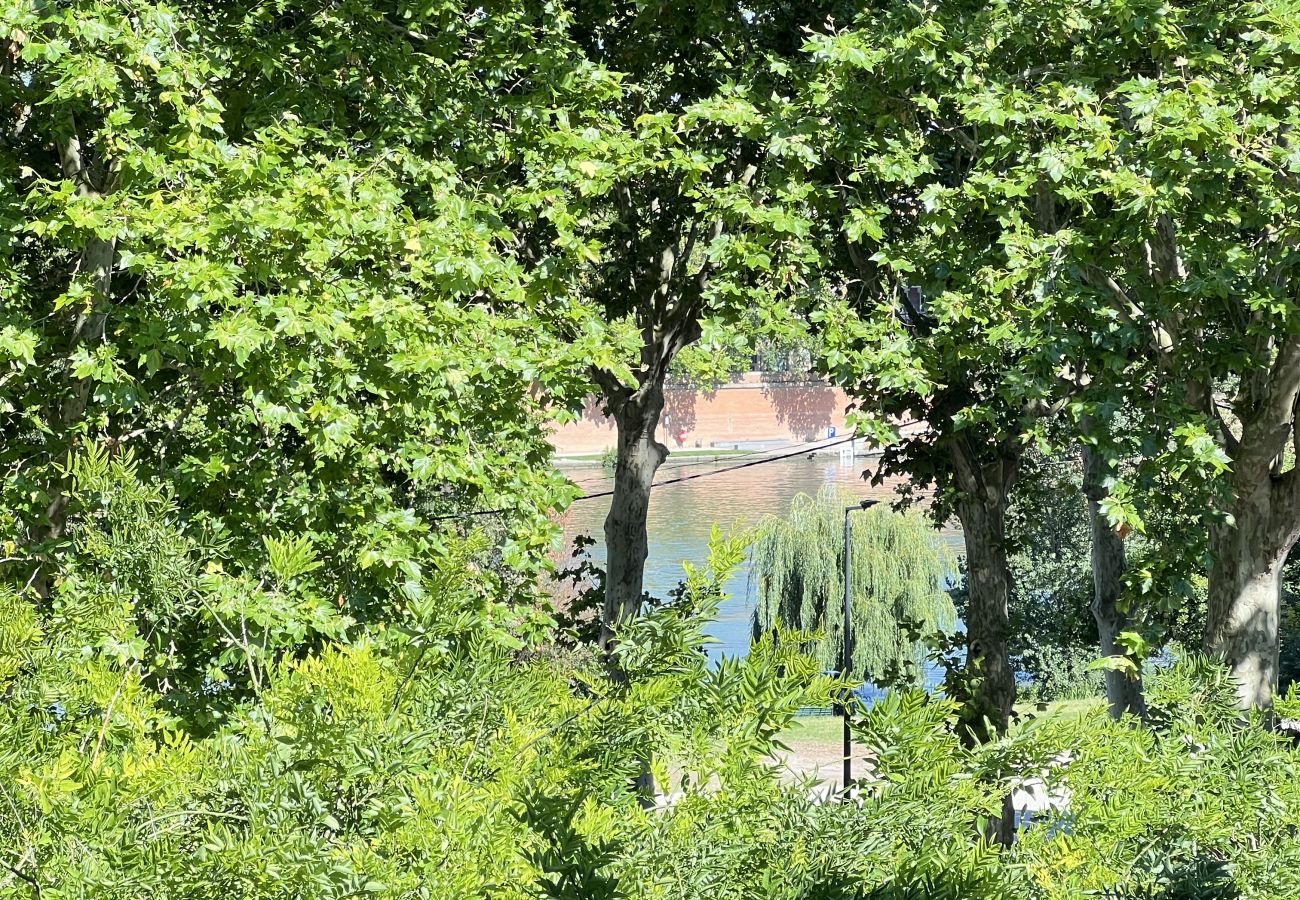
<point x="682" y="517"/>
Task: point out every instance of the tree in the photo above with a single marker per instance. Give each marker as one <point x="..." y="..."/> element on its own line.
<point x="668" y="179"/>
<point x="898" y="572"/>
<point x="1053" y="638"/>
<point x="1109" y="561"/>
<point x="1081" y="181"/>
<point x="1201" y="227"/>
<point x="236" y="243"/>
<point x="910" y="197"/>
<point x="1177" y="219"/>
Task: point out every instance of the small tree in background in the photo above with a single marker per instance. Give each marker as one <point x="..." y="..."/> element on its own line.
<point x="898" y="570"/>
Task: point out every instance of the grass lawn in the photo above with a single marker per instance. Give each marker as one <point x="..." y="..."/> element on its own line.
<point x="815" y="730"/>
<point x="828" y="730"/>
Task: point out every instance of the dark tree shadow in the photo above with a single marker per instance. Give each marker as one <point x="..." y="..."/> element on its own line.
<point x="594" y="410"/>
<point x="806" y="408"/>
<point x="679" y="417"/>
<point x="1201" y="878"/>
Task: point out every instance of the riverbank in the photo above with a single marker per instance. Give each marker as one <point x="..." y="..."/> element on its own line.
<point x="579" y="460"/>
<point x="846" y="446"/>
<point x="754" y="408"/>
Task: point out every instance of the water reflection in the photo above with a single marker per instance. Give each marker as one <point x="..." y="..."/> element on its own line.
<point x="682" y="516"/>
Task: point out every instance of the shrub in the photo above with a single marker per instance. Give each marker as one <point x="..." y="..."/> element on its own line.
<point x="435" y="758"/>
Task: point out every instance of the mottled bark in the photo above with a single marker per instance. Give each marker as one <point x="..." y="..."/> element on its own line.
<point x="988" y="584"/>
<point x="1244" y="587"/>
<point x="626" y="534"/>
<point x="1250" y="549"/>
<point x="636" y="418"/>
<point x="1123" y="691"/>
<point x="982" y="509"/>
<point x="984" y="494"/>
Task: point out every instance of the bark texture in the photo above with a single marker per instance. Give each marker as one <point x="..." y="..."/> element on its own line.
<point x="982" y="509"/>
<point x="1123" y="692"/>
<point x="1244" y="589"/>
<point x="636" y="418"/>
<point x="626" y="540"/>
<point x="1250" y="549"/>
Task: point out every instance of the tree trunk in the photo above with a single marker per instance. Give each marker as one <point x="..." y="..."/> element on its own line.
<point x="96" y="263"/>
<point x="1123" y="693"/>
<point x="96" y="260"/>
<point x="626" y="538"/>
<point x="982" y="511"/>
<point x="987" y="703"/>
<point x="1244" y="590"/>
<point x="1250" y="548"/>
<point x="636" y="417"/>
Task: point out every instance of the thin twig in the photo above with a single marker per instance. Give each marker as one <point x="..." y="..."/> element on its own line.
<point x="482" y="723"/>
<point x="210" y="813"/>
<point x="35" y="885"/>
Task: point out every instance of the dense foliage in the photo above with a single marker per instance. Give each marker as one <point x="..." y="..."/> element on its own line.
<point x="422" y="760"/>
<point x="347" y="767"/>
<point x="291" y="292"/>
<point x="897" y="569"/>
<point x="234" y="242"/>
<point x="1097" y="202"/>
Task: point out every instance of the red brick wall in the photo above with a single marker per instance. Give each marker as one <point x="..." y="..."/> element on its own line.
<point x="748" y="410"/>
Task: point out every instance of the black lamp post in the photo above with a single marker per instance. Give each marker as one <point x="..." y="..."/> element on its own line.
<point x="848" y="633"/>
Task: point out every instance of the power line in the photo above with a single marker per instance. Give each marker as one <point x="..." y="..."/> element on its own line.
<point x="711" y="473"/>
<point x="806" y="448"/>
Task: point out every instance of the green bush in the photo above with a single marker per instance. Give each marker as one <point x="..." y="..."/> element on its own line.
<point x="291" y="755"/>
<point x="280" y="750"/>
<point x="1060" y="673"/>
<point x="1289" y="630"/>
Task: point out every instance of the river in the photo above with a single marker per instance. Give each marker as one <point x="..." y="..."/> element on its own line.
<point x="682" y="516"/>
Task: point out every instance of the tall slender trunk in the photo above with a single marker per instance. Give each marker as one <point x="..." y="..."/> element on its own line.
<point x="986" y="709"/>
<point x="988" y="579"/>
<point x="984" y="476"/>
<point x="1123" y="692"/>
<point x="626" y="539"/>
<point x="636" y="417"/>
<point x="95" y="262"/>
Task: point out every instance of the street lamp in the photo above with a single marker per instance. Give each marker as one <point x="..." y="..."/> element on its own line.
<point x="848" y="633"/>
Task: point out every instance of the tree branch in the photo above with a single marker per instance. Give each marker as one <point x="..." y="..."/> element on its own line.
<point x="1283" y="381"/>
<point x="1130" y="313"/>
<point x="32" y="882"/>
<point x="1229" y="439"/>
<point x="614" y="390"/>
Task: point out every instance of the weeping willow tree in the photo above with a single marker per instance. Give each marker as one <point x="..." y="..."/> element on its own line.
<point x="898" y="566"/>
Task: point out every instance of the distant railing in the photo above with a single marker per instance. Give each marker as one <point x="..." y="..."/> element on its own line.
<point x="816" y="711"/>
